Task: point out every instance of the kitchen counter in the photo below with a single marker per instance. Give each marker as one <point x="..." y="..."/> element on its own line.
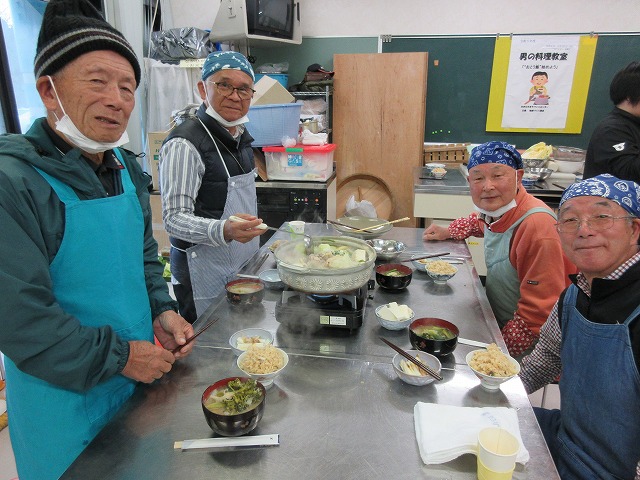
<point x="291" y="184"/>
<point x="338" y="407"/>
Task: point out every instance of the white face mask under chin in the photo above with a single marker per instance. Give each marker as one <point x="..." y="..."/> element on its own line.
<point x="66" y="126"/>
<point x="216" y="116"/>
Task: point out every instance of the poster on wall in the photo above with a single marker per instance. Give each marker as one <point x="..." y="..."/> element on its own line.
<point x="540" y="83"/>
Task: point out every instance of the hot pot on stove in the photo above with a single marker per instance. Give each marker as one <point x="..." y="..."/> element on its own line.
<point x="325" y="297"/>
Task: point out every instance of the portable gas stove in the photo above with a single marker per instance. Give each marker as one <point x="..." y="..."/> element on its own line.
<point x="341" y="310"/>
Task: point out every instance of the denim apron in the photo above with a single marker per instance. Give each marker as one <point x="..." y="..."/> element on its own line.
<point x="211" y="268"/>
<point x="503" y="285"/>
<point x="98" y="277"/>
<point x="597" y="414"/>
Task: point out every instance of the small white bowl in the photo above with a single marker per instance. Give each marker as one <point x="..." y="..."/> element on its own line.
<point x="271" y="279"/>
<point x="393" y="324"/>
<point x="416" y="380"/>
<point x="266" y="379"/>
<point x="488" y="382"/>
<point x="421" y="265"/>
<point x="265" y="335"/>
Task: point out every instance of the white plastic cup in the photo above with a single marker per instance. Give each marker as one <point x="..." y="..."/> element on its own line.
<point x="497" y="452"/>
<point x="297" y="227"/>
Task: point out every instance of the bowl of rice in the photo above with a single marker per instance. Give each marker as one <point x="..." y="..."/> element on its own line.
<point x="263" y="363"/>
<point x="492" y="366"/>
<point x="440" y="271"/>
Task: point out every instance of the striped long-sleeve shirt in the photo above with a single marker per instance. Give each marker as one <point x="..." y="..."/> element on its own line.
<point x="181" y="171"/>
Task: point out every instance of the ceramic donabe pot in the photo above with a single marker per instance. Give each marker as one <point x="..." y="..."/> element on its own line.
<point x="290" y="260"/>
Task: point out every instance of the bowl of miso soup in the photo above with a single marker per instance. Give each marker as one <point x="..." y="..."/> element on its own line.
<point x="433" y="335"/>
<point x="393" y="276"/>
<point x="245" y="291"/>
<point x="233" y="406"/>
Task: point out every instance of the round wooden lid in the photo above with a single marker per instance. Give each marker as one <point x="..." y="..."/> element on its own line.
<point x="365" y="187"/>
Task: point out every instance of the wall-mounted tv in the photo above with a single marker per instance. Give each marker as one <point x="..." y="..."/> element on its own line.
<point x="259" y="22"/>
<point x="271" y="18"/>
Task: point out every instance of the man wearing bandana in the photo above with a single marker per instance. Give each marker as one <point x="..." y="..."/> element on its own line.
<point x="207" y="174"/>
<point x="592" y="336"/>
<point x="526" y="270"/>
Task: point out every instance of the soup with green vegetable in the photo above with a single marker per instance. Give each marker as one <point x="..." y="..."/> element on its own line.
<point x="434" y="332"/>
<point x="234" y="398"/>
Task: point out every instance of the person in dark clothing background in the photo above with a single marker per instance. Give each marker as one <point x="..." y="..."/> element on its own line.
<point x="614" y="146"/>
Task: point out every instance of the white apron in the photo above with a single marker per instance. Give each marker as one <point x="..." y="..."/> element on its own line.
<point x="210" y="268"/>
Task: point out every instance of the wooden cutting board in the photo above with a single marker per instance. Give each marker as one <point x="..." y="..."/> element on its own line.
<point x="365" y="187"/>
<point x="378" y="125"/>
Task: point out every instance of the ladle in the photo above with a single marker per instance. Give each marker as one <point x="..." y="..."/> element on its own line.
<point x="306" y="240"/>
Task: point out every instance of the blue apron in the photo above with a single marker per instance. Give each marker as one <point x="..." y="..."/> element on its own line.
<point x="98" y="277"/>
<point x="599" y="430"/>
<point x="503" y="285"/>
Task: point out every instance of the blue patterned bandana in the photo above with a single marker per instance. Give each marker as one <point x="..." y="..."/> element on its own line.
<point x="624" y="192"/>
<point x="495" y="152"/>
<point x="228" y="60"/>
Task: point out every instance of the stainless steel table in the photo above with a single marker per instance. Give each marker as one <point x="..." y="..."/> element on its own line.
<point x="338" y="407"/>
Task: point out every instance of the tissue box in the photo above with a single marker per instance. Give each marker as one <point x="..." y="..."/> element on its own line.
<point x="312" y="163"/>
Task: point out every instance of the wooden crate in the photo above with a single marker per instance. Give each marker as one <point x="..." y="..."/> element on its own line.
<point x="446" y="153"/>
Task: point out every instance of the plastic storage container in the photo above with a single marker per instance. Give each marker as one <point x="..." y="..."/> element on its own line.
<point x="303" y="162"/>
<point x="282" y="78"/>
<point x="269" y="123"/>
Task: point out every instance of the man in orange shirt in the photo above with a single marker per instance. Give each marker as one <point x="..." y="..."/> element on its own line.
<point x="526" y="269"/>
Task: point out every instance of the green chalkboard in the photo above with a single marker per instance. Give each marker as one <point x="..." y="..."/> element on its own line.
<point x="459" y="78"/>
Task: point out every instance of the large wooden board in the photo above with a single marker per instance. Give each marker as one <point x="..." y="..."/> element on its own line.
<point x="379" y="112"/>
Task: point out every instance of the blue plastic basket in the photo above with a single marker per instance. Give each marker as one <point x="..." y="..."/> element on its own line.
<point x="269" y="123"/>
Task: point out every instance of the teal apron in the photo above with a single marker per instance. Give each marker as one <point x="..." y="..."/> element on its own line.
<point x="98" y="277"/>
<point x="503" y="285"/>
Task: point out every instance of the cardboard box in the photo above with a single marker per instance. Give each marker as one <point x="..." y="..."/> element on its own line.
<point x="269" y="92"/>
<point x="154" y="142"/>
<point x="159" y="233"/>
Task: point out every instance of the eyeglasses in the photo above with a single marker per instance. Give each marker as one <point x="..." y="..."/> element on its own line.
<point x="226" y="90"/>
<point x="596" y="223"/>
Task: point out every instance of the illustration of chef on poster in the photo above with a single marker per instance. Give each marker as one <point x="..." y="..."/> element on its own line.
<point x="539" y="81"/>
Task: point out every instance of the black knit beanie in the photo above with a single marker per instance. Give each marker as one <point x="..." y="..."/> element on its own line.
<point x="71" y="28"/>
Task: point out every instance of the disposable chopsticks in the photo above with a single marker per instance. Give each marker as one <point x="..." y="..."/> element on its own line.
<point x="431" y="255"/>
<point x="411" y="358"/>
<point x="368" y="229"/>
<point x="190" y="339"/>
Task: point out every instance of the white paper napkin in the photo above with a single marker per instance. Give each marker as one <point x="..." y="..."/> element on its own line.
<point x="445" y="432"/>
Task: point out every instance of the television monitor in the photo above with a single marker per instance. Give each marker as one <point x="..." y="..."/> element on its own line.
<point x="270" y="18"/>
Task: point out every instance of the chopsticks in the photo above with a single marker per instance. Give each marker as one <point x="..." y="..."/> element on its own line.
<point x="368" y="229"/>
<point x="190" y="339"/>
<point x="411" y="358"/>
<point x="431" y="255"/>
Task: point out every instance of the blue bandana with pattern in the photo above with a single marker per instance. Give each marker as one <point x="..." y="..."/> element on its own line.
<point x="228" y="60"/>
<point x="495" y="152"/>
<point x="624" y="192"/>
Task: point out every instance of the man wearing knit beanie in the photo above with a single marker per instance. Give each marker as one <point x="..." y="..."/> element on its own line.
<point x="83" y="293"/>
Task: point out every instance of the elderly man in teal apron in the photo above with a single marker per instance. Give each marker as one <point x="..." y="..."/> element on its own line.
<point x="526" y="270"/>
<point x="82" y="290"/>
<point x="207" y="174"/>
<point x="592" y="336"/>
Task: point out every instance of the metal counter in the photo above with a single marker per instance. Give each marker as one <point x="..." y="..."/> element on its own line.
<point x="338" y="407"/>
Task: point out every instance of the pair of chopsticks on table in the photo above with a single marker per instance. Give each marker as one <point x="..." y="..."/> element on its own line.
<point x="367" y="229"/>
<point x="193" y="337"/>
<point x="411" y="358"/>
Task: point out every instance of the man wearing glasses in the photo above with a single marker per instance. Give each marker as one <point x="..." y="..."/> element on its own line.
<point x="592" y="336"/>
<point x="207" y="174"/>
